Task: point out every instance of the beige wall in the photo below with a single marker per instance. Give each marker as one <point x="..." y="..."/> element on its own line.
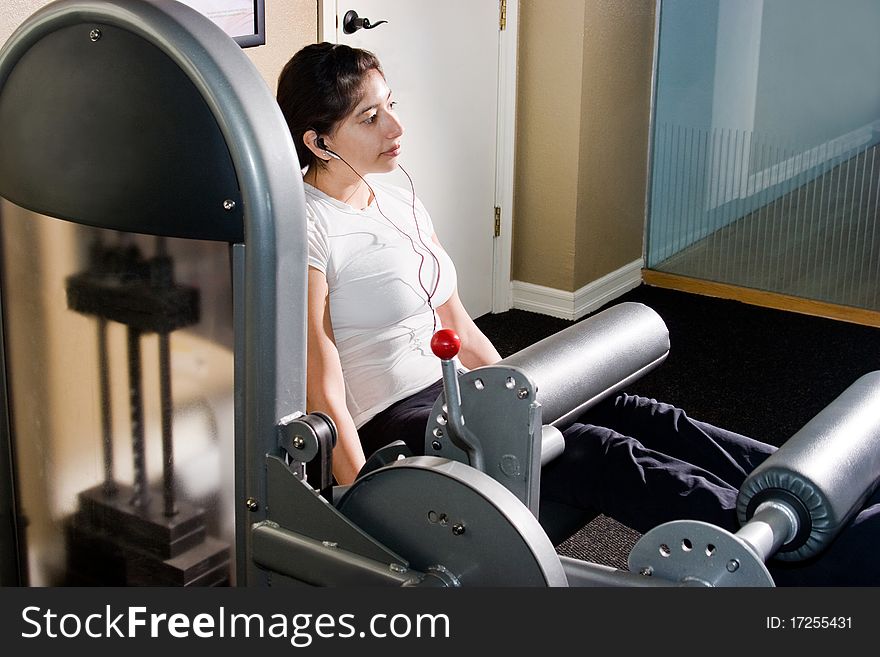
<point x="14" y="13"/>
<point x="582" y="139"/>
<point x="290" y="25"/>
<point x="548" y="129"/>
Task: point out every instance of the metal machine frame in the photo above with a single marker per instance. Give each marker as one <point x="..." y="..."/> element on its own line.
<point x="261" y="212"/>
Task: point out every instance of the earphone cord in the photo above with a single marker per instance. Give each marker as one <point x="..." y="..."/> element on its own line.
<point x="428" y="295"/>
<point x="412" y="188"/>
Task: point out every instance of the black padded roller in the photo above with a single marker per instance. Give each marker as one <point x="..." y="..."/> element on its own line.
<point x="825" y="471"/>
<point x="579" y="366"/>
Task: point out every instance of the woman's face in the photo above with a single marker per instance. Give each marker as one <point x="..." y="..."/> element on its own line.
<point x="369" y="138"/>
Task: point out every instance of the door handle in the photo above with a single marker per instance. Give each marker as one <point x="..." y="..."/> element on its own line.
<point x="351" y="23"/>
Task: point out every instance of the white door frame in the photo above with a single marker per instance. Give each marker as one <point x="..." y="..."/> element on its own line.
<point x="502" y="296"/>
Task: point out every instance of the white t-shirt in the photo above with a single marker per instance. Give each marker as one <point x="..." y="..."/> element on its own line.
<point x="382" y="323"/>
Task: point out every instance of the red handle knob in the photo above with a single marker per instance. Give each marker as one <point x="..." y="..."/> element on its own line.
<point x="445" y="344"/>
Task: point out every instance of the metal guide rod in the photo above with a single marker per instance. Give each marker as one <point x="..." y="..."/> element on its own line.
<point x="110" y="487"/>
<point x="162" y="276"/>
<point x="169" y="504"/>
<point x="141" y="496"/>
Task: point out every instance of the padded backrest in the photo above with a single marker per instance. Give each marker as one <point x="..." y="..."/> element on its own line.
<point x="103" y="128"/>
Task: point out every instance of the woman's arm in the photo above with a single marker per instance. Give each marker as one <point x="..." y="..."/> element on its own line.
<point x="325" y="389"/>
<point x="476" y="349"/>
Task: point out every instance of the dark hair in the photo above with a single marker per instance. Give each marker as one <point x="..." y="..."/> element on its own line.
<point x="318" y="87"/>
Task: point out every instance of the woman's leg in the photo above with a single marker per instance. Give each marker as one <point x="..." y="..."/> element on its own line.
<point x="617" y="475"/>
<point x="405" y="420"/>
<point x="644" y="463"/>
<point x="669" y="430"/>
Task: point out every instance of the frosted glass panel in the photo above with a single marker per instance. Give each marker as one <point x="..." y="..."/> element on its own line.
<point x="119" y="353"/>
<point x="764" y="169"/>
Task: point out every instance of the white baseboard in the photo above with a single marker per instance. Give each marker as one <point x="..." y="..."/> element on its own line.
<point x="577" y="304"/>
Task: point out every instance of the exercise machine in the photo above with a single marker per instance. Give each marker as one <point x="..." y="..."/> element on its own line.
<point x="465" y="514"/>
<point x="152" y="203"/>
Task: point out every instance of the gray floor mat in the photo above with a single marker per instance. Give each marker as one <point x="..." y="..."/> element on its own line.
<point x="603" y="540"/>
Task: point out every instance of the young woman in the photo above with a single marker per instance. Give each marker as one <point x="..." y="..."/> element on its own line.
<point x="380" y="285"/>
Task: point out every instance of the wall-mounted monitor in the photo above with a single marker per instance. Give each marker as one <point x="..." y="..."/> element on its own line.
<point x="243" y="20"/>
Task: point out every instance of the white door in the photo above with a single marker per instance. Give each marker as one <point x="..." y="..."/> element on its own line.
<point x="441" y="62"/>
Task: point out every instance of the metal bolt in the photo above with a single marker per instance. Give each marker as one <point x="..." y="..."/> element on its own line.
<point x="458" y="529"/>
<point x="732" y="566"/>
<point x="647" y="571"/>
<point x="396" y="568"/>
<point x="436" y="445"/>
<point x="522" y="393"/>
<point x="298" y="442"/>
<point x="95" y="35"/>
<point x="330" y="544"/>
<point x="228" y="205"/>
<point x="251" y="504"/>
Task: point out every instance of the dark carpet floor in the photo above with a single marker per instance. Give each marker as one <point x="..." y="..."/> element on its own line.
<point x="760" y="372"/>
